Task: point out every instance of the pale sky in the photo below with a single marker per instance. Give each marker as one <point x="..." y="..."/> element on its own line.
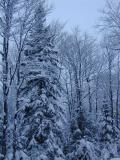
<point x="83" y="13"/>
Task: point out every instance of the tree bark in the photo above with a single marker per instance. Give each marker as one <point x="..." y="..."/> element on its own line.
<point x="5" y="95"/>
<point x="118" y="90"/>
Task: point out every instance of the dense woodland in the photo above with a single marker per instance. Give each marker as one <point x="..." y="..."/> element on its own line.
<point x="60" y="91"/>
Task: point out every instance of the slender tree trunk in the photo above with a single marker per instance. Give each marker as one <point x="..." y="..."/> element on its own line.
<point x="78" y="92"/>
<point x="16" y="109"/>
<point x="117" y="106"/>
<point x="15" y="128"/>
<point x="110" y="84"/>
<point x="7" y="9"/>
<point x="5" y="95"/>
<point x="14" y="137"/>
<point x="118" y="90"/>
<point x="110" y="92"/>
<point x="89" y="96"/>
<point x="96" y="97"/>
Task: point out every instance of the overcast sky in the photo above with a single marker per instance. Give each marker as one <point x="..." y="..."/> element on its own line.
<point x="77" y="12"/>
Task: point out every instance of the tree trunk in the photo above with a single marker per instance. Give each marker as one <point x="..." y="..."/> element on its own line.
<point x="7" y="17"/>
<point x="14" y="138"/>
<point x="96" y="97"/>
<point x="110" y="92"/>
<point x="16" y="109"/>
<point x="89" y="96"/>
<point x="110" y="84"/>
<point x="5" y="95"/>
<point x="118" y="90"/>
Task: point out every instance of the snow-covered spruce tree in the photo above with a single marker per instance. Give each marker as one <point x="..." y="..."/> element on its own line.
<point x="108" y="135"/>
<point x="80" y="147"/>
<point x="40" y="134"/>
<point x="107" y="131"/>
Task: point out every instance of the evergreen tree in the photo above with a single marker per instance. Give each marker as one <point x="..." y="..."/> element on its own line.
<point x="108" y="135"/>
<point x="79" y="146"/>
<point x="107" y="131"/>
<point x="40" y="133"/>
